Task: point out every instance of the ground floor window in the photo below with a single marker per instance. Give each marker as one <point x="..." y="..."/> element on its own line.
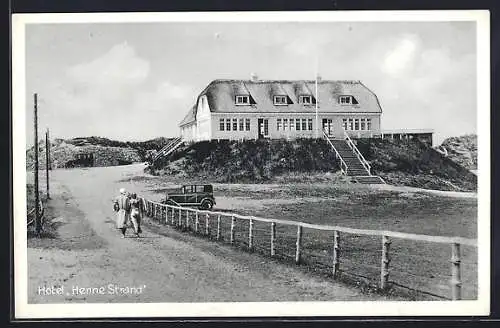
<point x="241" y="124"/>
<point x="247" y="124"/>
<point x="357" y="124"/>
<point x="309" y="124"/>
<point x="235" y="124"/>
<point x="228" y="124"/>
<point x="221" y="124"/>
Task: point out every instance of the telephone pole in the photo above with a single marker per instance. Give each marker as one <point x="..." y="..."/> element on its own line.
<point x="47" y="160"/>
<point x="38" y="223"/>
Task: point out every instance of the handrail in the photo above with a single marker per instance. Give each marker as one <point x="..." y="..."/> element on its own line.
<point x="356" y="151"/>
<point x="171" y="146"/>
<point x="366" y="232"/>
<point x="337" y="155"/>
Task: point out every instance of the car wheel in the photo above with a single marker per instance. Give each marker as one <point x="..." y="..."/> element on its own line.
<point x="206" y="204"/>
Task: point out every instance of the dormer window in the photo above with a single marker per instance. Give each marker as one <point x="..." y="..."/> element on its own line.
<point x="347" y="100"/>
<point x="306" y="100"/>
<point x="280" y="100"/>
<point x="242" y="100"/>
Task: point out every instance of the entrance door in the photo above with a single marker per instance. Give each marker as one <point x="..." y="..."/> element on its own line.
<point x="328" y="126"/>
<point x="263" y="124"/>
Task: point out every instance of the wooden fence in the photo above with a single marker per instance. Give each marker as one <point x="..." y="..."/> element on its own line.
<point x="332" y="248"/>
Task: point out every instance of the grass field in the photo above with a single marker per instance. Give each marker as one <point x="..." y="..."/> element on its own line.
<point x="420" y="266"/>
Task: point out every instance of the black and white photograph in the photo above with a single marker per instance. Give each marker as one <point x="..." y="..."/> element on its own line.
<point x="251" y="164"/>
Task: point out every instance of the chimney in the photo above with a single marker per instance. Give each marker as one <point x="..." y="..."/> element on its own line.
<point x="254" y="77"/>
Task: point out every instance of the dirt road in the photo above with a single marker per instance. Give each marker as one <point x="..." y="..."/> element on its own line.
<point x="89" y="262"/>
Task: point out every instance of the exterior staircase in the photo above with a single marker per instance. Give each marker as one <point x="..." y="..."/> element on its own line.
<point x="168" y="148"/>
<point x="352" y="162"/>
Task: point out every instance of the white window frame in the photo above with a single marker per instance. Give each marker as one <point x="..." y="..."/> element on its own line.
<point x="368" y="124"/>
<point x="292" y="124"/>
<point x="222" y="124"/>
<point x="278" y="124"/>
<point x="282" y="97"/>
<point x="285" y="124"/>
<point x="228" y="124"/>
<point x="247" y="124"/>
<point x="342" y="100"/>
<point x="306" y="97"/>
<point x="239" y="100"/>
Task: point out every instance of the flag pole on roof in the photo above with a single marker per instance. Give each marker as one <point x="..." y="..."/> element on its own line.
<point x="316" y="97"/>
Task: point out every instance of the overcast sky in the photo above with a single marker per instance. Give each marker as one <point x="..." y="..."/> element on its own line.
<point x="137" y="81"/>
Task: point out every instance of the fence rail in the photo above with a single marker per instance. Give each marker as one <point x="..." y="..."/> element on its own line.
<point x="31" y="213"/>
<point x="304" y="243"/>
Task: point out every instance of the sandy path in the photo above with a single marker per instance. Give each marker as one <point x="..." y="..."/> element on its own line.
<point x="164" y="266"/>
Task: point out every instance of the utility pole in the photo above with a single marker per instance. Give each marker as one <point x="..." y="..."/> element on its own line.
<point x="38" y="223"/>
<point x="47" y="160"/>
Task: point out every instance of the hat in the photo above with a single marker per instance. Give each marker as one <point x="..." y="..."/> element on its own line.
<point x="122" y="191"/>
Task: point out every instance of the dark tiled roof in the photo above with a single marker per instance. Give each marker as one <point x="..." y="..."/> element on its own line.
<point x="221" y="96"/>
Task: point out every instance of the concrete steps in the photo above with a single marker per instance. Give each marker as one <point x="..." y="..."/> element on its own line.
<point x="355" y="168"/>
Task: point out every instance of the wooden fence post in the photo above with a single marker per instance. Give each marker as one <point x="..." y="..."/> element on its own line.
<point x="456" y="277"/>
<point x="218" y="227"/>
<point x="335" y="254"/>
<point x="154" y="212"/>
<point x="166" y="214"/>
<point x="298" y="244"/>
<point x="384" y="267"/>
<point x="207" y="224"/>
<point x="233" y="221"/>
<point x="273" y="238"/>
<point x="187" y="219"/>
<point x="173" y="216"/>
<point x="196" y="222"/>
<point x="180" y="218"/>
<point x="250" y="234"/>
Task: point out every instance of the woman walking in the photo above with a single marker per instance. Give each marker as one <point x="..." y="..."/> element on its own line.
<point x="122" y="207"/>
<point x="136" y="211"/>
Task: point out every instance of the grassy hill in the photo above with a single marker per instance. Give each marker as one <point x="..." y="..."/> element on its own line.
<point x="408" y="163"/>
<point x="106" y="152"/>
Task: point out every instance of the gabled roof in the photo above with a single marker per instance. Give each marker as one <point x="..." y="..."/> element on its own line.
<point x="221" y="96"/>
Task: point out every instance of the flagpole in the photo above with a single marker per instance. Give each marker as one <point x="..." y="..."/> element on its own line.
<point x="316" y="97"/>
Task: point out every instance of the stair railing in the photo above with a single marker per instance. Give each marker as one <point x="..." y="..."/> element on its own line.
<point x="343" y="165"/>
<point x="169" y="148"/>
<point x="166" y="148"/>
<point x="356" y="151"/>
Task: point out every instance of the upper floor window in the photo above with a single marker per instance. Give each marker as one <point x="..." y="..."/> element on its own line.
<point x="347" y="100"/>
<point x="242" y="100"/>
<point x="280" y="100"/>
<point x="306" y="100"/>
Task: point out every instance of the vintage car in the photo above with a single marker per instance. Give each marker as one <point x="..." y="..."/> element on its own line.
<point x="201" y="196"/>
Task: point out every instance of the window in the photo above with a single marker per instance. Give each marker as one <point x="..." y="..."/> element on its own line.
<point x="228" y="124"/>
<point x="280" y="100"/>
<point x="345" y="100"/>
<point x="344" y="123"/>
<point x="285" y="124"/>
<point x="368" y="124"/>
<point x="362" y="124"/>
<point x="242" y="100"/>
<point x="241" y="124"/>
<point x="304" y="124"/>
<point x="235" y="124"/>
<point x="221" y="124"/>
<point x="297" y="124"/>
<point x="306" y="100"/>
<point x="310" y="124"/>
<point x="292" y="124"/>
<point x="351" y="124"/>
<point x="247" y="124"/>
<point x="278" y="124"/>
<point x="356" y="124"/>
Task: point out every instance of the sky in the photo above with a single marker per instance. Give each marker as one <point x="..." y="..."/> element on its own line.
<point x="136" y="81"/>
